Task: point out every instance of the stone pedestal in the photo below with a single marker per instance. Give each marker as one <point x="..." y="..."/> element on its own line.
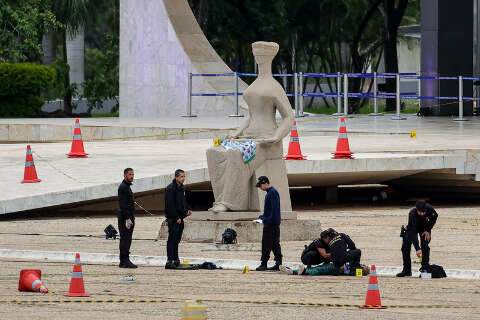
<point x="235" y="216"/>
<point x="202" y="228"/>
<point x="276" y="171"/>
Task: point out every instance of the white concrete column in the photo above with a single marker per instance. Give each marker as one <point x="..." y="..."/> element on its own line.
<point x="76" y="58"/>
<point x="49" y="48"/>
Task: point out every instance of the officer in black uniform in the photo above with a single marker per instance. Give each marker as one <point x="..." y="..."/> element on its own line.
<point x="421" y="220"/>
<point x="316" y="253"/>
<point x="342" y="249"/>
<point x="126" y="218"/>
<point x="176" y="209"/>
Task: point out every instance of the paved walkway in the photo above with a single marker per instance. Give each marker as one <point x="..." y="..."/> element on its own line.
<point x="159" y="293"/>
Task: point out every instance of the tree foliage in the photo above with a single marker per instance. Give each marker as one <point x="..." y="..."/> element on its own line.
<point x="22" y="86"/>
<point x="22" y="24"/>
<point x="314" y="35"/>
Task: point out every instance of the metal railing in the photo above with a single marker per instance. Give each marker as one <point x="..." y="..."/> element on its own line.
<point x="342" y="94"/>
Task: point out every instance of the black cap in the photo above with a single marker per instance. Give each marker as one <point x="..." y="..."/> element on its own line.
<point x="421" y="205"/>
<point x="262" y="180"/>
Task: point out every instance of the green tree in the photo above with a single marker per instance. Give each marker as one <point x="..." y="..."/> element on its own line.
<point x="393" y="12"/>
<point x="102" y="74"/>
<point x="72" y="14"/>
<point x="22" y="24"/>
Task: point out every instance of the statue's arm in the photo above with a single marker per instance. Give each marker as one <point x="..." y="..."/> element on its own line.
<point x="242" y="128"/>
<point x="285" y="110"/>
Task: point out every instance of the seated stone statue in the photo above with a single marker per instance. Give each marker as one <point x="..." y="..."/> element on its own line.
<point x="229" y="170"/>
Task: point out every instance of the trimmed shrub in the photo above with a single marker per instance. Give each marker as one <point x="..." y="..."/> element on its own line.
<point x="21" y="88"/>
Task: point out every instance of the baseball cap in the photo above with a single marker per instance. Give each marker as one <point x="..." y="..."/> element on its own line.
<point x="262" y="180"/>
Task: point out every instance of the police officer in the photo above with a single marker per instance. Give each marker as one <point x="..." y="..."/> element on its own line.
<point x="176" y="209"/>
<point x="316" y="253"/>
<point x="126" y="218"/>
<point x="421" y="220"/>
<point x="271" y="226"/>
<point x="342" y="250"/>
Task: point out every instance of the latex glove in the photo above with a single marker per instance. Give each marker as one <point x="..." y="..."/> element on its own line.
<point x="419" y="253"/>
<point x="128" y="224"/>
<point x="179" y="221"/>
<point x="427" y="236"/>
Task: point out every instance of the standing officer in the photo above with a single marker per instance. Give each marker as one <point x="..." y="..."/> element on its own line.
<point x="176" y="209"/>
<point x="126" y="218"/>
<point x="421" y="220"/>
<point x="271" y="226"/>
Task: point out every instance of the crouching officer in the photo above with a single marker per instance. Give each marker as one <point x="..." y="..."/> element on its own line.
<point x="342" y="249"/>
<point x="316" y="253"/>
<point x="126" y="218"/>
<point x="421" y="220"/>
<point x="176" y="209"/>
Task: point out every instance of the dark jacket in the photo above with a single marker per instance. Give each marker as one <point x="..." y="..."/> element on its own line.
<point x="339" y="246"/>
<point x="176" y="206"/>
<point x="271" y="209"/>
<point x="126" y="201"/>
<point x="418" y="225"/>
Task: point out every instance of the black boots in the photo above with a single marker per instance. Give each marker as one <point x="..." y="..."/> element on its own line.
<point x="172" y="264"/>
<point x="127" y="264"/>
<point x="262" y="267"/>
<point x="276" y="267"/>
<point x="404" y="274"/>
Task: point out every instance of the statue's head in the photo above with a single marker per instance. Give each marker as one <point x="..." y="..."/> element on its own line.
<point x="264" y="51"/>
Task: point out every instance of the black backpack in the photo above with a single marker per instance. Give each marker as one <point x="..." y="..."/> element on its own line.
<point x="436" y="271"/>
<point x="229" y="236"/>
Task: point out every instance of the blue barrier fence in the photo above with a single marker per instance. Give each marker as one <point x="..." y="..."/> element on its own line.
<point x="339" y="95"/>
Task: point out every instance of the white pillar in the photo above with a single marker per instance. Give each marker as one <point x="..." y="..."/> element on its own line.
<point x="76" y="58"/>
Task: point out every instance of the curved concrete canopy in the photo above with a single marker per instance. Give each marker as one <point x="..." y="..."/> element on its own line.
<point x="160" y="42"/>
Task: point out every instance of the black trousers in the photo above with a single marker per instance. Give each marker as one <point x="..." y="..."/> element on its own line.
<point x="312" y="258"/>
<point x="175" y="231"/>
<point x="407" y="247"/>
<point x="125" y="239"/>
<point x="271" y="242"/>
<point x="353" y="257"/>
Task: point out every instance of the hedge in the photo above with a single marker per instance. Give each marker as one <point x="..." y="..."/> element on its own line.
<point x="21" y="88"/>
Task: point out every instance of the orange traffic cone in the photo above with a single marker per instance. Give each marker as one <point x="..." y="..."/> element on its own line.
<point x="343" y="148"/>
<point x="30" y="173"/>
<point x="30" y="281"/>
<point x="77" y="288"/>
<point x="77" y="150"/>
<point x="372" y="300"/>
<point x="294" y="152"/>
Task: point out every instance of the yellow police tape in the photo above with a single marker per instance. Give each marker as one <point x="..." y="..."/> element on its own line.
<point x="162" y="300"/>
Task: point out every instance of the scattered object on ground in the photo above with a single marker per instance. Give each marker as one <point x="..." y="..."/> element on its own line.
<point x="128" y="278"/>
<point x="245" y="270"/>
<point x="194" y="310"/>
<point x="110" y="232"/>
<point x="31" y="281"/>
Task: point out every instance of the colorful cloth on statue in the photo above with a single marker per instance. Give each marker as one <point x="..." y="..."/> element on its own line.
<point x="247" y="148"/>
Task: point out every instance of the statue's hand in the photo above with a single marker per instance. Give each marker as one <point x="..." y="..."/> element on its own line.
<point x="269" y="140"/>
